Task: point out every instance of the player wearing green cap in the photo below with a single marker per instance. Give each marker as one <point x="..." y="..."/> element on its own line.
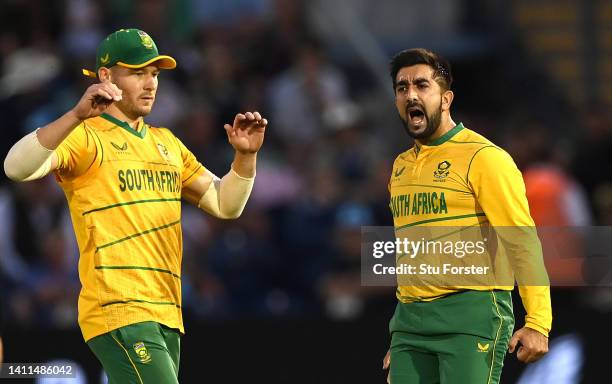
<point x="129" y="48"/>
<point x="124" y="181"/>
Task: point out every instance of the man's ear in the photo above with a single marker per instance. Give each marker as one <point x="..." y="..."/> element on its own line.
<point x="447" y="99"/>
<point x="104" y="74"/>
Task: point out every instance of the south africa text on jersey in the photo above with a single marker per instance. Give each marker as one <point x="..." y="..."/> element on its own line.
<point x="149" y="180"/>
<point x="418" y="203"/>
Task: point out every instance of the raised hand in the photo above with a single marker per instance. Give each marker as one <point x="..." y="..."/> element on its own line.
<point x="96" y="99"/>
<point x="247" y="133"/>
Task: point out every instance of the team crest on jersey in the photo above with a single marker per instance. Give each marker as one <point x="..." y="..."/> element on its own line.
<point x="442" y="172"/>
<point x="142" y="352"/>
<point x="145" y="39"/>
<point x="163" y="151"/>
<point x="483" y="347"/>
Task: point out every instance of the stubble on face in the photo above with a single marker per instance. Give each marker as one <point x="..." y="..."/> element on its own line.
<point x="132" y="109"/>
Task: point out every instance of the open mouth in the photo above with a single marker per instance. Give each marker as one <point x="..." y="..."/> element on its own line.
<point x="416" y="115"/>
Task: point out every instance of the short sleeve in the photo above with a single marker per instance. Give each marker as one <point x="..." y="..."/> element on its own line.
<point x="192" y="168"/>
<point x="76" y="153"/>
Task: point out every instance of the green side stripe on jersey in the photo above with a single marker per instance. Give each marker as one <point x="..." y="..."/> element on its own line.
<point x="137" y="267"/>
<point x="130" y="203"/>
<point x="138" y="235"/>
<point x="440" y="219"/>
<point x="431" y="186"/>
<point x="141" y="301"/>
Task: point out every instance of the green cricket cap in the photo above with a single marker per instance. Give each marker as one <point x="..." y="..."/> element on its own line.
<point x="131" y="48"/>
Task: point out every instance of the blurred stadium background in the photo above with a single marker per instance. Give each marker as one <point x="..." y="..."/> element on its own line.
<point x="275" y="296"/>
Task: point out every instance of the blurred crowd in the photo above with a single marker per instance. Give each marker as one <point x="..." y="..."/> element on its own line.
<point x="324" y="167"/>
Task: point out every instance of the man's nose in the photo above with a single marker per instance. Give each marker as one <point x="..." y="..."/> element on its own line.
<point x="411" y="94"/>
<point x="150" y="84"/>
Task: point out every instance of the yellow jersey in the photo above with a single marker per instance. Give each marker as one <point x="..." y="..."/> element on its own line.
<point x="463" y="180"/>
<point x="123" y="187"/>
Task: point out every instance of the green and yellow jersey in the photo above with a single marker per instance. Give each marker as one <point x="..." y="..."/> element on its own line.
<point x="464" y="180"/>
<point x="123" y="188"/>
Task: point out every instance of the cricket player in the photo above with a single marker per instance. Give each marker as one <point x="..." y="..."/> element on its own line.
<point x="124" y="181"/>
<point x="453" y="176"/>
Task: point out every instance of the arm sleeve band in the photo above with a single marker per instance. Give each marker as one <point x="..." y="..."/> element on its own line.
<point x="226" y="198"/>
<point x="28" y="159"/>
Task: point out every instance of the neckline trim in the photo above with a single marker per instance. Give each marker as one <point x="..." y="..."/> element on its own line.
<point x="138" y="133"/>
<point x="447" y="136"/>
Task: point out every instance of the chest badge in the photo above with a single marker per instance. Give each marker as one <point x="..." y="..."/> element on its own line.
<point x="163" y="151"/>
<point x="442" y="172"/>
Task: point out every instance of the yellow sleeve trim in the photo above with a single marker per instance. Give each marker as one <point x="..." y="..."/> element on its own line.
<point x="538" y="328"/>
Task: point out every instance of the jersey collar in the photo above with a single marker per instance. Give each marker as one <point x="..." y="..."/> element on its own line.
<point x="447" y="136"/>
<point x="140" y="132"/>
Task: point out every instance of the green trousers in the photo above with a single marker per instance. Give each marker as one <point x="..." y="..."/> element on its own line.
<point x="458" y="339"/>
<point x="141" y="353"/>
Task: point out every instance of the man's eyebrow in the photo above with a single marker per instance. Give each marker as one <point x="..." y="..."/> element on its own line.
<point x="418" y="80"/>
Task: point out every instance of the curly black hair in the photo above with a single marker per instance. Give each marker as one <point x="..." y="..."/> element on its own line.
<point x="408" y="57"/>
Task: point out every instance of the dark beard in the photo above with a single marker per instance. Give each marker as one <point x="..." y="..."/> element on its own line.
<point x="433" y="123"/>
